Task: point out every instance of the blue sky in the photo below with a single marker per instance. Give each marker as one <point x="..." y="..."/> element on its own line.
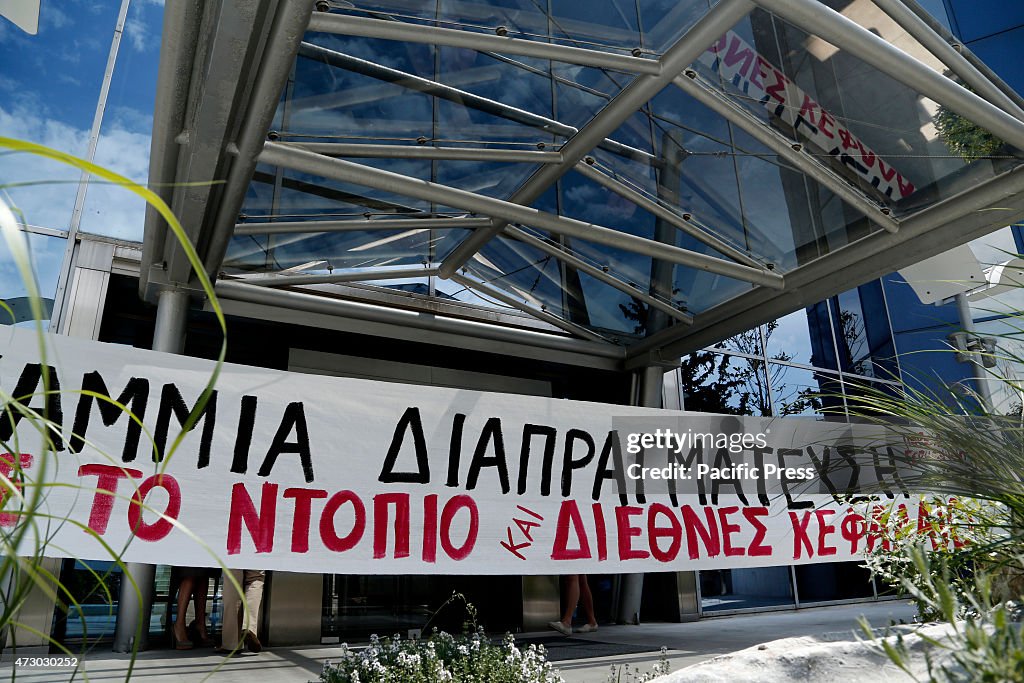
<point x="49" y="88"/>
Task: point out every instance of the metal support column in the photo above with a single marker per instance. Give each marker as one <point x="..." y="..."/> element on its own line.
<point x="963" y="308"/>
<point x="651" y="378"/>
<point x="632" y="585"/>
<point x="133" y="613"/>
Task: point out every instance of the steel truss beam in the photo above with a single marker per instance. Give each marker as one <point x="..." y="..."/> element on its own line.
<point x="278" y="60"/>
<point x="640" y="90"/>
<point x="540" y="314"/>
<point x="312" y="303"/>
<point x="855" y="40"/>
<point x="959" y="46"/>
<point x="944" y="52"/>
<point x="314" y="227"/>
<point x="482" y="42"/>
<point x="178" y="43"/>
<point x="460" y="97"/>
<point x="719" y="103"/>
<point x="345" y="149"/>
<point x="597" y="273"/>
<point x="346" y="171"/>
<point x="953" y="221"/>
<point x="670" y="217"/>
<point x="366" y="275"/>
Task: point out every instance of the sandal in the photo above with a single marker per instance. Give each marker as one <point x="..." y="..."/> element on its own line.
<point x="196" y="637"/>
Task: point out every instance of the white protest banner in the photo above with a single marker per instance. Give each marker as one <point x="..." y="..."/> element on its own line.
<point x="326" y="474"/>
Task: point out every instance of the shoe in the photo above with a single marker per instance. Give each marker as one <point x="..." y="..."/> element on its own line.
<point x="182" y="644"/>
<point x="252" y="643"/>
<point x="587" y="628"/>
<point x="561" y="628"/>
<point x="197" y="639"/>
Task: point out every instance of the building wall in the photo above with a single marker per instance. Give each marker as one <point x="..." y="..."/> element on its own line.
<point x="993" y="30"/>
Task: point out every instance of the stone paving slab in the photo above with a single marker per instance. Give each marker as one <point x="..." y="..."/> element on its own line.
<point x="687" y="644"/>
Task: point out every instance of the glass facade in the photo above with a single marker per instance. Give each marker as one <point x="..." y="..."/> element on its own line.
<point x="804" y="365"/>
<point x="800" y="365"/>
<point x="672" y="155"/>
<point x="675" y="154"/>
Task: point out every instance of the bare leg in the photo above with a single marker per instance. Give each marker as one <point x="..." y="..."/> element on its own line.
<point x="202" y="585"/>
<point x="572" y="596"/>
<point x="184" y="593"/>
<point x="587" y="600"/>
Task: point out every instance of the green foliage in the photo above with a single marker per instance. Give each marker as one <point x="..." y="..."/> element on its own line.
<point x="972" y="580"/>
<point x="963" y="137"/>
<point x="21" y="494"/>
<point x="956" y="535"/>
<point x="471" y="657"/>
<point x="984" y="643"/>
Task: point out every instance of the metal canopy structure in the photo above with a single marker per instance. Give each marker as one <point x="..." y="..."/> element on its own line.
<point x="622" y="181"/>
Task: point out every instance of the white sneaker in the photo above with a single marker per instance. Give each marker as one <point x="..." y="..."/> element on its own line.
<point x="561" y="628"/>
<point x="587" y="628"/>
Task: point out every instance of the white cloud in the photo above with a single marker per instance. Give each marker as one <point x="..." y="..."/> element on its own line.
<point x="137" y="33"/>
<point x="51" y="16"/>
<point x="130" y="119"/>
<point x="110" y="209"/>
<point x="49" y="201"/>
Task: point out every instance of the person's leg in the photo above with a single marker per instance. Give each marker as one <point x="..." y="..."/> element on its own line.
<point x="253" y="600"/>
<point x="572" y="596"/>
<point x="587" y="600"/>
<point x="201" y="586"/>
<point x="184" y="594"/>
<point x="231" y="634"/>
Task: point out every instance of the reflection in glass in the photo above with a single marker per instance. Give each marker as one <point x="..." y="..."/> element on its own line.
<point x="748" y="342"/>
<point x="863" y="333"/>
<point x="746" y="588"/>
<point x="833" y="581"/>
<point x="797" y="391"/>
<point x="803" y="337"/>
<point x="717" y="383"/>
<point x="597" y="22"/>
<point x="46" y="255"/>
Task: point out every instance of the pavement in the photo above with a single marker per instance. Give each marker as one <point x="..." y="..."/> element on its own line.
<point x="584" y="658"/>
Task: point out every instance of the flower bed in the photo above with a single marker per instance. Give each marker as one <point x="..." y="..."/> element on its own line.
<point x="443" y="657"/>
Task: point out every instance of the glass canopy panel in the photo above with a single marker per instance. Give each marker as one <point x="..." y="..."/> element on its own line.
<point x="490" y="178"/>
<point x="331" y="102"/>
<point x="596" y="24"/>
<point x="340" y="250"/>
<point x="302" y="193"/>
<point x="582" y="91"/>
<point x="878" y="133"/>
<point x="687" y="158"/>
<point x="413" y="9"/>
<point x="521" y="83"/>
<point x="523" y="272"/>
<point x="524" y="19"/>
<point x="665" y="21"/>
